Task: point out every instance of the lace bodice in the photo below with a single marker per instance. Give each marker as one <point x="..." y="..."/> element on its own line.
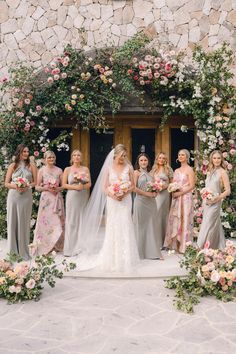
<point x="114" y="177"/>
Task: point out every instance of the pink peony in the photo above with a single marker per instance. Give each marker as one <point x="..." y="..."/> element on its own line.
<point x="30" y="284"/>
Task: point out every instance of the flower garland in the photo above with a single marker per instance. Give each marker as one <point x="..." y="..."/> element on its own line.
<point x="82" y="87"/>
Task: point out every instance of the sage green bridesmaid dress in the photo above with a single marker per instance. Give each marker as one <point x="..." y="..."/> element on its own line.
<point x="19" y="209"/>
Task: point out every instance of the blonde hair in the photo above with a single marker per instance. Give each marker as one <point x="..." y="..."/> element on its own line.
<point x="48" y="153"/>
<point x="120" y="148"/>
<point x="211" y="165"/>
<point x="156" y="167"/>
<point x="73" y="152"/>
<point x="187" y="153"/>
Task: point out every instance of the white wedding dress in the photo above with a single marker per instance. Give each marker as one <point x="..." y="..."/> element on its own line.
<point x="118" y="252"/>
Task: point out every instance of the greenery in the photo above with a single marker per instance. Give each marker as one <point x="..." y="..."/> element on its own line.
<point x="84" y="86"/>
<point x="210" y="273"/>
<point x="23" y="281"/>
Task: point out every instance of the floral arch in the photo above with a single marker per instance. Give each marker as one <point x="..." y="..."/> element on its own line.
<point x="82" y="86"/>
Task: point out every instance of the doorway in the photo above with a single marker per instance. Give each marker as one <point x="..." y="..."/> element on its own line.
<point x="180" y="140"/>
<point x="100" y="146"/>
<point x="143" y="140"/>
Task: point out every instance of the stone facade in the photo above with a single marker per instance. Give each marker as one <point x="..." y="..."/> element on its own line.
<point x="37" y="30"/>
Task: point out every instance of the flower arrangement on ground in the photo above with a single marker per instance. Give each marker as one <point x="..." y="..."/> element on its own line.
<point x="24" y="280"/>
<point x="210" y="273"/>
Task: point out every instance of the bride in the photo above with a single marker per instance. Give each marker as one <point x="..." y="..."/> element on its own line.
<point x="113" y="249"/>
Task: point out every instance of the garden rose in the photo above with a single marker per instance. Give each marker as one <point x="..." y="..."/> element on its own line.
<point x="64" y="75"/>
<point x="38" y="108"/>
<point x="36" y="153"/>
<point x="30" y="284"/>
<point x="56" y="77"/>
<point x="50" y="80"/>
<point x="215" y="276"/>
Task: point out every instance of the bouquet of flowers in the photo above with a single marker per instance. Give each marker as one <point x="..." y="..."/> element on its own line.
<point x="210" y="272"/>
<point x="53" y="183"/>
<point x="82" y="178"/>
<point x="153" y="187"/>
<point x="21" y="182"/>
<point x="120" y="188"/>
<point x="24" y="281"/>
<point x="173" y="187"/>
<point x="161" y="183"/>
<point x="208" y="194"/>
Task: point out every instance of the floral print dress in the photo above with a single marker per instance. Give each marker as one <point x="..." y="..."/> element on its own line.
<point x="49" y="230"/>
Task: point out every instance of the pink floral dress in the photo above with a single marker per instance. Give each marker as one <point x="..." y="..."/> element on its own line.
<point x="180" y="222"/>
<point x="49" y="230"/>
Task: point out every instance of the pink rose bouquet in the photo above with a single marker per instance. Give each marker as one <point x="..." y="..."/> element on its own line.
<point x="82" y="178"/>
<point x="21" y="182"/>
<point x="153" y="187"/>
<point x="120" y="188"/>
<point x="208" y="194"/>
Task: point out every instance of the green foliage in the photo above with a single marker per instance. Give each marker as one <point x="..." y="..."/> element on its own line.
<point x="210" y="273"/>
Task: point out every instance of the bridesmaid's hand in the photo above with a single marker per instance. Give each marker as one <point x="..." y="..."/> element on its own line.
<point x="78" y="187"/>
<point x="176" y="194"/>
<point x="22" y="190"/>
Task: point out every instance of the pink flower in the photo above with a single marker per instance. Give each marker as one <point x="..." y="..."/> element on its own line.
<point x="55" y="71"/>
<point x="215" y="276"/>
<point x="53" y="64"/>
<point x="232" y="152"/>
<point x="46" y="70"/>
<point x="50" y="80"/>
<point x="64" y="75"/>
<point x="26" y="128"/>
<point x="36" y="153"/>
<point x="19" y="114"/>
<point x="231" y="142"/>
<point x="30" y="284"/>
<point x="43" y="149"/>
<point x="4" y="79"/>
<point x="27" y="101"/>
<point x="225" y="154"/>
<point x="199" y="220"/>
<point x="15" y="289"/>
<point x="38" y="108"/>
<point x="32" y="123"/>
<point x="22" y="269"/>
<point x="229" y="166"/>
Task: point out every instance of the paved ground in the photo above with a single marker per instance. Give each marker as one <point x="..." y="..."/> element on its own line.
<point x="121" y="316"/>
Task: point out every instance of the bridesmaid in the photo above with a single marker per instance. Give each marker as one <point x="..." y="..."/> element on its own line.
<point x="217" y="179"/>
<point x="49" y="230"/>
<point x="19" y="202"/>
<point x="180" y="222"/>
<point x="145" y="212"/>
<point x="162" y="171"/>
<point x="76" y="200"/>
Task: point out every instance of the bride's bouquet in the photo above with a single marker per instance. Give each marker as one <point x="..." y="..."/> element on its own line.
<point x="21" y="182"/>
<point x="173" y="187"/>
<point x="82" y="178"/>
<point x="208" y="194"/>
<point x="120" y="188"/>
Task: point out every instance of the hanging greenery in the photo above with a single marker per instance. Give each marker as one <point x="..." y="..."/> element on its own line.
<point x="82" y="87"/>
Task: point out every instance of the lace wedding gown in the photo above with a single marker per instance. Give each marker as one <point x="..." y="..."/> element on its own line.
<point x="119" y="251"/>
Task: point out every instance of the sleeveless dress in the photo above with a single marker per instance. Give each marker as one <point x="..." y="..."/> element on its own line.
<point x="146" y="222"/>
<point x="119" y="252"/>
<point x="49" y="230"/>
<point x="180" y="222"/>
<point x="19" y="209"/>
<point x="163" y="205"/>
<point x="75" y="204"/>
<point x="211" y="228"/>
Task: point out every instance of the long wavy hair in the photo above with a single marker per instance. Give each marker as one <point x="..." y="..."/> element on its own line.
<point x="137" y="166"/>
<point x="17" y="156"/>
<point x="211" y="165"/>
<point x="156" y="167"/>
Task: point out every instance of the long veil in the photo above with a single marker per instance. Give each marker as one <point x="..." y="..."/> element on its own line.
<point x="90" y="238"/>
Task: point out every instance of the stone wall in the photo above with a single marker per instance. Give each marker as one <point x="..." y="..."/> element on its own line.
<point x="37" y="30"/>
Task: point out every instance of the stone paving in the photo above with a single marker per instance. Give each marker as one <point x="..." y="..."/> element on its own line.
<point x="122" y="316"/>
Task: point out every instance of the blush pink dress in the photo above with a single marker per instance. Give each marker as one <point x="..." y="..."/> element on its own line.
<point x="49" y="230"/>
<point x="180" y="222"/>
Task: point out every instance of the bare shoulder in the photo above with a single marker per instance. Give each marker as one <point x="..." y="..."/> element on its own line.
<point x="86" y="169"/>
<point x="11" y="166"/>
<point x="224" y="173"/>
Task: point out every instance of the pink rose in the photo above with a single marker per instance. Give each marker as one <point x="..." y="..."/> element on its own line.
<point x="229" y="166"/>
<point x="38" y="108"/>
<point x="43" y="149"/>
<point x="53" y="64"/>
<point x="50" y="80"/>
<point x="207" y="244"/>
<point x="64" y="75"/>
<point x="27" y="101"/>
<point x="225" y="154"/>
<point x="30" y="284"/>
<point x="199" y="220"/>
<point x="46" y="70"/>
<point x="215" y="276"/>
<point x="55" y="71"/>
<point x="232" y="152"/>
<point x="36" y="153"/>
<point x="56" y="77"/>
<point x="26" y="128"/>
<point x="32" y="123"/>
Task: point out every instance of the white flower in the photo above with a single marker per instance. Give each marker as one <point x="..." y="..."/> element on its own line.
<point x="215" y="276"/>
